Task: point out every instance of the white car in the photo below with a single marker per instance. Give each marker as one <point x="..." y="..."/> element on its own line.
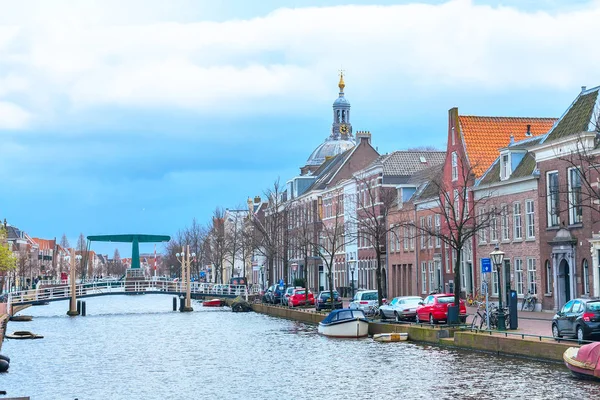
<point x="364" y="299"/>
<point x="400" y="308"/>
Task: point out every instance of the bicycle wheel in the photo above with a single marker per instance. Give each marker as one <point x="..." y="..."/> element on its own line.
<point x="475" y="321"/>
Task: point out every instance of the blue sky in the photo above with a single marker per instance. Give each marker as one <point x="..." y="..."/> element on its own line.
<point x="139" y="115"/>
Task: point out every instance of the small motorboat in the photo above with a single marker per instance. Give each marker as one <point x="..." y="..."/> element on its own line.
<point x="212" y="303"/>
<point x="584" y="361"/>
<point x="390" y="337"/>
<point x="21" y="318"/>
<point x="23" y="335"/>
<point x="345" y="323"/>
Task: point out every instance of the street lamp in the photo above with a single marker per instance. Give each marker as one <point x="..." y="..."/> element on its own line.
<point x="352" y="265"/>
<point x="294" y="268"/>
<point x="497" y="257"/>
<point x="184" y="259"/>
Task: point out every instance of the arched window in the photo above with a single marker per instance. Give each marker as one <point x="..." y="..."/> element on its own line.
<point x="586" y="277"/>
<point x="549" y="277"/>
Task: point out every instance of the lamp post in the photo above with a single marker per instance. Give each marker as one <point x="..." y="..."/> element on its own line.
<point x="73" y="305"/>
<point x="294" y="269"/>
<point x="497" y="257"/>
<point x="352" y="265"/>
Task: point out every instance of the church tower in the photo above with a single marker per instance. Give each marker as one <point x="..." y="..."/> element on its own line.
<point x="341" y="127"/>
<point x="339" y="140"/>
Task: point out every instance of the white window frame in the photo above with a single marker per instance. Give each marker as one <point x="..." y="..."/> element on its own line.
<point x="495" y="283"/>
<point x="504" y="225"/>
<point x="454" y="166"/>
<point x="422" y="225"/>
<point x="438" y="227"/>
<point x="517" y="221"/>
<point x="519" y="276"/>
<point x="505" y="169"/>
<point x="549" y="278"/>
<point x="493" y="225"/>
<point x="482" y="232"/>
<point x="531" y="275"/>
<point x="406" y="238"/>
<point x="431" y="277"/>
<point x="429" y="236"/>
<point x="551" y="198"/>
<point x="530" y="219"/>
<point x="423" y="277"/>
<point x="575" y="207"/>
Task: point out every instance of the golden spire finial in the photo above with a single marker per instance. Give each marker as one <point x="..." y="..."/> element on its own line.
<point x="341" y="85"/>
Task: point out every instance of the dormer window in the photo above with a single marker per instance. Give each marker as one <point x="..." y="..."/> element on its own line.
<point x="505" y="168"/>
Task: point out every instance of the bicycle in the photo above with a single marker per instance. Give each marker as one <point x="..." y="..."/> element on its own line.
<point x="529" y="302"/>
<point x="372" y="311"/>
<point x="480" y="317"/>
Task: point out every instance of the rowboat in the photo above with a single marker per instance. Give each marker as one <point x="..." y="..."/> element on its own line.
<point x="212" y="303"/>
<point x="345" y="323"/>
<point x="390" y="337"/>
<point x="584" y="361"/>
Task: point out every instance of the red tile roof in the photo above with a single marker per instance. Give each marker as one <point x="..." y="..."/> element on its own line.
<point x="483" y="136"/>
<point x="44" y="244"/>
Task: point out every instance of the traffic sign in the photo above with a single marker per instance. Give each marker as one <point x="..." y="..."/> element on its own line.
<point x="486" y="265"/>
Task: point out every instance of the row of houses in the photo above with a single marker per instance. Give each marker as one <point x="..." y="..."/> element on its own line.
<point x="528" y="186"/>
<point x="46" y="259"/>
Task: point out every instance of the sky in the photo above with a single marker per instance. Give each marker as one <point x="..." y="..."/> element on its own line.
<point x="136" y="116"/>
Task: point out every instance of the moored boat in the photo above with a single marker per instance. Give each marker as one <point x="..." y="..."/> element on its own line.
<point x="212" y="303"/>
<point x="345" y="323"/>
<point x="23" y="335"/>
<point x="391" y="337"/>
<point x="584" y="361"/>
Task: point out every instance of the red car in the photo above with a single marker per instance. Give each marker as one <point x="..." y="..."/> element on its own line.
<point x="298" y="298"/>
<point x="435" y="309"/>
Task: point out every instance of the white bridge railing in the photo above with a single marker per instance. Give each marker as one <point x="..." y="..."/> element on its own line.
<point x="62" y="292"/>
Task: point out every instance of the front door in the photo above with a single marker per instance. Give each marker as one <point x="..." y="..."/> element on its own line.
<point x="564" y="282"/>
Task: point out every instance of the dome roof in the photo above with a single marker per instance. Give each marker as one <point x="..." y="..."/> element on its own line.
<point x="329" y="148"/>
<point x="341" y="101"/>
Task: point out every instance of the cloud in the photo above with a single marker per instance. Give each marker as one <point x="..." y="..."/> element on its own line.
<point x="12" y="116"/>
<point x="285" y="61"/>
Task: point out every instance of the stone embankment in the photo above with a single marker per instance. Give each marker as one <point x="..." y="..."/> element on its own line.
<point x="512" y="344"/>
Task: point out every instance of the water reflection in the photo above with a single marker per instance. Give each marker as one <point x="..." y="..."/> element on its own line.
<point x="135" y="347"/>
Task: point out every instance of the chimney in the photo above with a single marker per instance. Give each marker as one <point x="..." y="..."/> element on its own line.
<point x="528" y="133"/>
<point x="256" y="199"/>
<point x="512" y="139"/>
<point x="363" y="136"/>
<point x="583" y="88"/>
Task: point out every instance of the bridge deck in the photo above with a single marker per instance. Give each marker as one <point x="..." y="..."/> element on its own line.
<point x="147" y="286"/>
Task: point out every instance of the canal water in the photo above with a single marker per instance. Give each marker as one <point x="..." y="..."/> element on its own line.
<point x="135" y="347"/>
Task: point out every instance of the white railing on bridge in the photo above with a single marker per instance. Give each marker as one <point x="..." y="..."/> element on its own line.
<point x="63" y="291"/>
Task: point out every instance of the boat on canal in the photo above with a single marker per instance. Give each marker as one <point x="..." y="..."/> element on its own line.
<point x="212" y="303"/>
<point x="23" y="335"/>
<point x="345" y="323"/>
<point x="584" y="361"/>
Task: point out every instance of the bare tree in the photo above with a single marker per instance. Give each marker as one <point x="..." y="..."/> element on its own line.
<point x="332" y="238"/>
<point x="169" y="258"/>
<point x="303" y="236"/>
<point x="270" y="231"/>
<point x="218" y="243"/>
<point x="463" y="218"/>
<point x="195" y="236"/>
<point x="82" y="249"/>
<point x="374" y="203"/>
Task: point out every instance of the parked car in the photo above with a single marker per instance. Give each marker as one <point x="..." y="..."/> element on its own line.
<point x="400" y="308"/>
<point x="364" y="299"/>
<point x="435" y="309"/>
<point x="286" y="295"/>
<point x="298" y="298"/>
<point x="579" y="317"/>
<point x="273" y="294"/>
<point x="267" y="295"/>
<point x="324" y="300"/>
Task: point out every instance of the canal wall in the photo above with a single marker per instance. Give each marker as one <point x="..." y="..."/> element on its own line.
<point x="496" y="343"/>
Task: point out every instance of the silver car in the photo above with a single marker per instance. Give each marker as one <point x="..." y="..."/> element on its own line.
<point x="364" y="300"/>
<point x="400" y="308"/>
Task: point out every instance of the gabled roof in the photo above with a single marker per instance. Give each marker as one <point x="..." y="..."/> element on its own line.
<point x="581" y="116"/>
<point x="483" y="136"/>
<point x="407" y="162"/>
<point x="327" y="170"/>
<point x="525" y="168"/>
<point x="427" y="188"/>
<point x="44" y="244"/>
